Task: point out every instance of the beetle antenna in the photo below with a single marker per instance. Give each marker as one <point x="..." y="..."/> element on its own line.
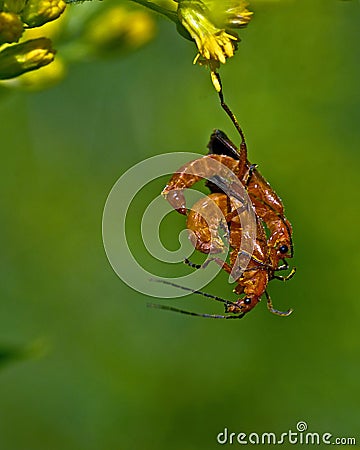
<point x="190" y="313"/>
<point x="228" y="110"/>
<point x="194" y="291"/>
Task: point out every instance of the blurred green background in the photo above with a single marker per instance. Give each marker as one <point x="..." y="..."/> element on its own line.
<point x="104" y="371"/>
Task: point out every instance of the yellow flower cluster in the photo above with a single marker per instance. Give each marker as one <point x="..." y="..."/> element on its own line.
<point x="209" y="24"/>
<point x="15" y="16"/>
<point x="109" y="29"/>
<point x="102" y="30"/>
<point x="214" y="44"/>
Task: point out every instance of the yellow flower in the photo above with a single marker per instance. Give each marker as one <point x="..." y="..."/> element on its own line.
<point x="214" y="44"/>
<point x="20" y="58"/>
<point x="38" y="12"/>
<point x="11" y="27"/>
<point x="208" y="23"/>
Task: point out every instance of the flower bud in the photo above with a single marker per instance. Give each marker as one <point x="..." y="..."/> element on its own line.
<point x="38" y="12"/>
<point x="40" y="79"/>
<point x="20" y="58"/>
<point x="120" y="29"/>
<point x="11" y="27"/>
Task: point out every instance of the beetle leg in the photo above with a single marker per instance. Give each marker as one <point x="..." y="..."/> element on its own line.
<point x="227" y="109"/>
<point x="284" y="266"/>
<point x="276" y="311"/>
<point x="248" y="176"/>
<point x="288" y="277"/>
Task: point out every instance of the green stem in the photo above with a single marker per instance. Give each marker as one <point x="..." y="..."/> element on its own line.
<point x="169" y="14"/>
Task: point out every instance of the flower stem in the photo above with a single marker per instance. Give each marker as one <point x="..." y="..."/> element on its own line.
<point x="154" y="7"/>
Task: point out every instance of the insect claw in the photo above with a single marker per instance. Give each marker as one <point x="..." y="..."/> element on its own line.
<point x="281" y="313"/>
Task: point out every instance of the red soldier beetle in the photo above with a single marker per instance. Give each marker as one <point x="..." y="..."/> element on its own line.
<point x="267" y="254"/>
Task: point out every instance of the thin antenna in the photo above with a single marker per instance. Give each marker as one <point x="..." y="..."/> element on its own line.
<point x="228" y="110"/>
<point x="190" y="313"/>
<point x="194" y="291"/>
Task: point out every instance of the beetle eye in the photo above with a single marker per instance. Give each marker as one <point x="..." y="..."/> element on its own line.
<point x="284" y="249"/>
<point x="247" y="301"/>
